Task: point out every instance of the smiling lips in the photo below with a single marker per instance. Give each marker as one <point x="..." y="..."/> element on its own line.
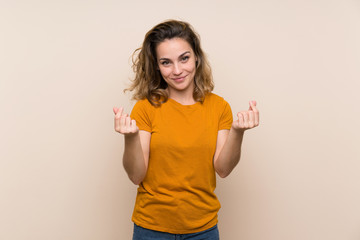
<point x="179" y="79"/>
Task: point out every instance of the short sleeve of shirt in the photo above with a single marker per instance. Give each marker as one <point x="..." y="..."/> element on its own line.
<point x="226" y="118"/>
<point x="141" y="114"/>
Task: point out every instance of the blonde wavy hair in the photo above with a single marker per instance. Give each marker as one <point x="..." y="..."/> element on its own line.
<point x="148" y="82"/>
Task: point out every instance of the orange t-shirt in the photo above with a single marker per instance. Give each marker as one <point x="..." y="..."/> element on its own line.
<point x="177" y="194"/>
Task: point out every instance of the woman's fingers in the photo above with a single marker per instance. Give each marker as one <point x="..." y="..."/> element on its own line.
<point x="123" y="123"/>
<point x="133" y="126"/>
<point x="255" y="111"/>
<point x="251" y="119"/>
<point x="247" y="119"/>
<point x="127" y="124"/>
<point x="117" y="117"/>
<point x="252" y="105"/>
<point x="118" y="111"/>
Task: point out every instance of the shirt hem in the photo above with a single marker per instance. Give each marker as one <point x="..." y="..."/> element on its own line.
<point x="172" y="231"/>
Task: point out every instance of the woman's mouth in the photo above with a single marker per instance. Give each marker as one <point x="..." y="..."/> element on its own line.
<point x="179" y="79"/>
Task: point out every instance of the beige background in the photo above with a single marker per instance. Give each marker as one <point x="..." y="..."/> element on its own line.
<point x="64" y="65"/>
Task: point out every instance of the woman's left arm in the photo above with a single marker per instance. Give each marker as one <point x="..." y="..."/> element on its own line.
<point x="228" y="144"/>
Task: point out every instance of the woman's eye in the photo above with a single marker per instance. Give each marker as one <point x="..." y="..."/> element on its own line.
<point x="184" y="58"/>
<point x="164" y="63"/>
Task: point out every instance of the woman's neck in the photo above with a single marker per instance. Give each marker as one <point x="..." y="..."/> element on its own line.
<point x="183" y="97"/>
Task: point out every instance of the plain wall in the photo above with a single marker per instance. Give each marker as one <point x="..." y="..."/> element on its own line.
<point x="64" y="65"/>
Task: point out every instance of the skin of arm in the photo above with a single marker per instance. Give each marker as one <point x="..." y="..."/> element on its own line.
<point x="136" y="156"/>
<point x="137" y="146"/>
<point x="228" y="145"/>
<point x="228" y="151"/>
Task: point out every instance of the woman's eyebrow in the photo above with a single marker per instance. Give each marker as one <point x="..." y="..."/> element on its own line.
<point x="184" y="54"/>
<point x="179" y="56"/>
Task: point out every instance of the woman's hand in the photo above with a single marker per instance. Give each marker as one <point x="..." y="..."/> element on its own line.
<point x="247" y="119"/>
<point x="123" y="123"/>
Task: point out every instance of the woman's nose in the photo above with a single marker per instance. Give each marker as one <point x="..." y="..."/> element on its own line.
<point x="177" y="69"/>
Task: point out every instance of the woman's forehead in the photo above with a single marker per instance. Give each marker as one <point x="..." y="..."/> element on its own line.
<point x="172" y="48"/>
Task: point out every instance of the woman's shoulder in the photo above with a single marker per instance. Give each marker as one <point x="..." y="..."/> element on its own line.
<point x="217" y="103"/>
<point x="143" y="103"/>
<point x="214" y="98"/>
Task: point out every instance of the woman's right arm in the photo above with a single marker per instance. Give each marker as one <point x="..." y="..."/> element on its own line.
<point x="137" y="146"/>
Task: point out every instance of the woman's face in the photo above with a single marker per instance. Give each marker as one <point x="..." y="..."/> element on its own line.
<point x="177" y="64"/>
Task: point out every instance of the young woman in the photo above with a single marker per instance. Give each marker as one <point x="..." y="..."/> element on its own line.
<point x="177" y="136"/>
